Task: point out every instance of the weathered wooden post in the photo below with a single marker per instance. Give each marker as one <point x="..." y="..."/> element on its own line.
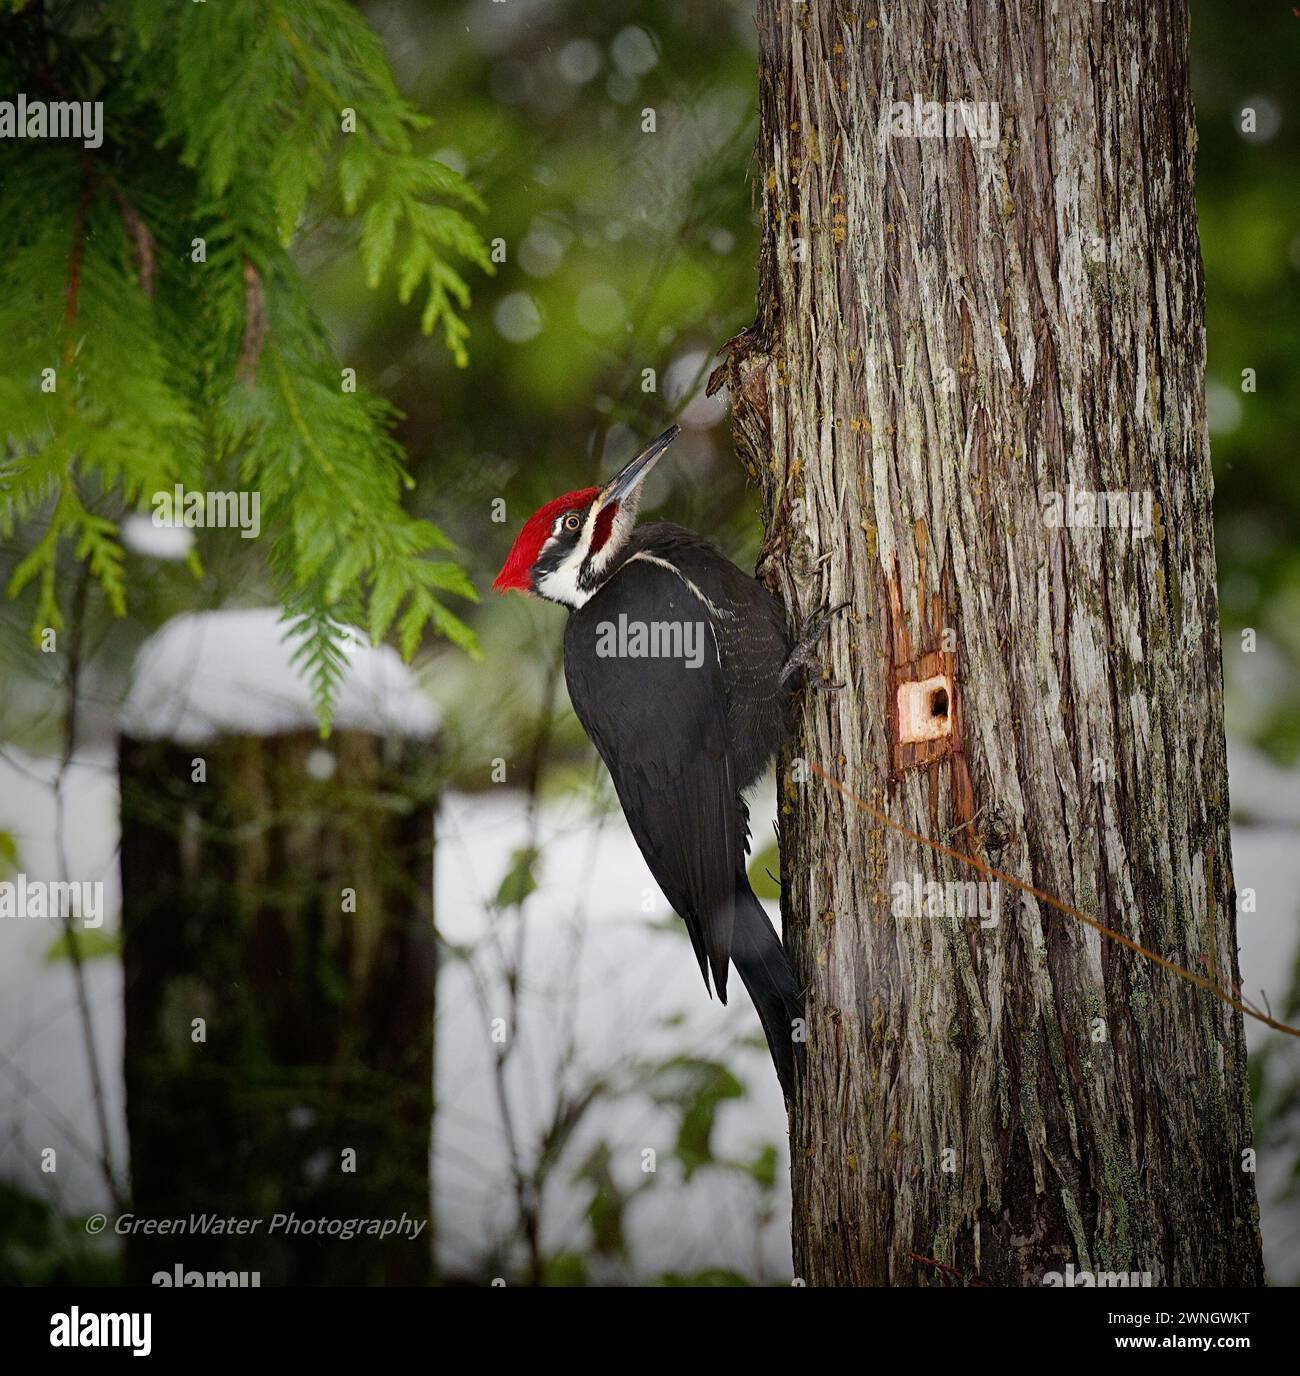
<point x="280" y="959"/>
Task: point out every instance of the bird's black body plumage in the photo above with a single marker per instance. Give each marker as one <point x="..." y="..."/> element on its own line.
<point x="682" y="740"/>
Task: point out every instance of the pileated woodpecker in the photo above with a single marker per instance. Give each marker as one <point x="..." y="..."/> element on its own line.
<point x="681" y="671"/>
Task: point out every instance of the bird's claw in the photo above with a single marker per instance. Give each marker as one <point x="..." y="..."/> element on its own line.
<point x="803" y="651"/>
<point x="819" y="621"/>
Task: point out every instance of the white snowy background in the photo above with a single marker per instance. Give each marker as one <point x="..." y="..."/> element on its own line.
<point x="599" y="951"/>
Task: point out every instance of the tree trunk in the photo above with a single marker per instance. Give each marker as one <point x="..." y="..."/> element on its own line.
<point x="948" y="335"/>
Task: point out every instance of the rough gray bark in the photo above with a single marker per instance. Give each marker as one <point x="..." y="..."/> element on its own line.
<point x="945" y="336"/>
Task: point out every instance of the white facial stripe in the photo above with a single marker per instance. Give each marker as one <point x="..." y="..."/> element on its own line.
<point x="561" y="584"/>
<point x="624" y="520"/>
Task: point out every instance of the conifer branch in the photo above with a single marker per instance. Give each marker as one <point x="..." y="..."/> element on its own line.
<point x="125" y="369"/>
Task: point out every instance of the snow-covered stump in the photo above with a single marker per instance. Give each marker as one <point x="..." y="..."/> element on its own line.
<point x="279" y="956"/>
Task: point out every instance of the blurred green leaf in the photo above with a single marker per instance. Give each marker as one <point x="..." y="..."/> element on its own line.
<point x="765" y="872"/>
<point x="565" y="1270"/>
<point x="763" y="1167"/>
<point x="715" y="1277"/>
<point x="92" y="944"/>
<point x="697" y="1088"/>
<point x="520" y="880"/>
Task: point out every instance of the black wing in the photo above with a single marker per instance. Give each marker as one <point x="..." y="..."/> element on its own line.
<point x="660" y="725"/>
<point x="753" y="642"/>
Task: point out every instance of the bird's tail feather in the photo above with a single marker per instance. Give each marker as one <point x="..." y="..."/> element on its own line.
<point x="761" y="962"/>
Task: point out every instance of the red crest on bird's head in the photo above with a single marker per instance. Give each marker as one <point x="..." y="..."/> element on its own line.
<point x="563" y="557"/>
<point x="528" y="544"/>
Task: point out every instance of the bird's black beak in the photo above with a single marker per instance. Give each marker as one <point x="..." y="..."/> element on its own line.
<point x="621" y="486"/>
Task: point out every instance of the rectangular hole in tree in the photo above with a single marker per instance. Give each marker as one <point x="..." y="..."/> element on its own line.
<point x="925" y="709"/>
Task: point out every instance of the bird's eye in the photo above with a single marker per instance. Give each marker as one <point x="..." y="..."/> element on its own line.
<point x="573" y="521"/>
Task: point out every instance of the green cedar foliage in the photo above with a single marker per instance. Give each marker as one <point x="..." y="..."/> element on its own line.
<point x="154" y="328"/>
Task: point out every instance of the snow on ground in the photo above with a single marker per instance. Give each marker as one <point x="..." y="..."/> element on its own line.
<point x="593" y="954"/>
<point x="628" y="977"/>
<point x="594" y="935"/>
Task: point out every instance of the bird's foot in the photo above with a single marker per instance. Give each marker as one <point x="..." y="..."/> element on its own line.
<point x="803" y="652"/>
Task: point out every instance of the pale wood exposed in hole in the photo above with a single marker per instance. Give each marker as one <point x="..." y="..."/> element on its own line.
<point x="966" y="332"/>
<point x="923" y="713"/>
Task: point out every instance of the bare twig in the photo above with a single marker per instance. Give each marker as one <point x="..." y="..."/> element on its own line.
<point x="948" y="1270"/>
<point x="146" y="250"/>
<point x="75" y="664"/>
<point x="1233" y="999"/>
